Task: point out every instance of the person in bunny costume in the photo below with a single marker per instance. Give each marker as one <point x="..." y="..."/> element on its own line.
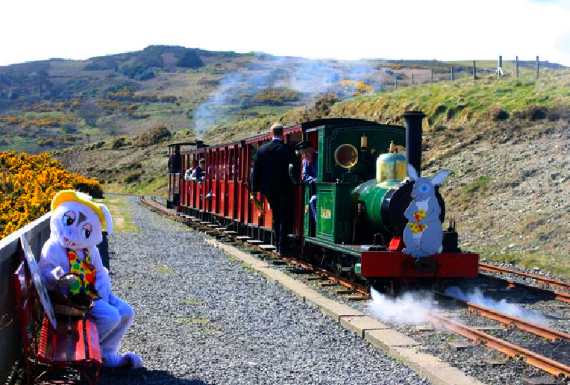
<point x="423" y="233"/>
<point x="76" y="227"/>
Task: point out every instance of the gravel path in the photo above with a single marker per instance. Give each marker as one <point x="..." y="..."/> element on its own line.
<point x="203" y="318"/>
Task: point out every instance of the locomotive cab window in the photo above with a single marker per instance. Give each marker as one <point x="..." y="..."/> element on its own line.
<point x="346" y="156"/>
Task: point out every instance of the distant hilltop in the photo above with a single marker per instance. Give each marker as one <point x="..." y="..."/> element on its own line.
<point x="56" y="103"/>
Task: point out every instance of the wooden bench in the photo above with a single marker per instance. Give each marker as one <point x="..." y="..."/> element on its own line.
<point x="72" y="349"/>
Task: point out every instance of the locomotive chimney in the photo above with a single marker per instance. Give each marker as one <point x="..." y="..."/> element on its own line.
<point x="413" y="123"/>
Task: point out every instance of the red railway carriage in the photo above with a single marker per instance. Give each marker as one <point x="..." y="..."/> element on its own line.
<point x="361" y="194"/>
<point x="224" y="193"/>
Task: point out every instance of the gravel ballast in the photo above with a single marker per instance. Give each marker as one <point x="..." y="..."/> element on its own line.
<point x="204" y="318"/>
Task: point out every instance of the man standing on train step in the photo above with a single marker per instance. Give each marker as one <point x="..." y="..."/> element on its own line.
<point x="270" y="176"/>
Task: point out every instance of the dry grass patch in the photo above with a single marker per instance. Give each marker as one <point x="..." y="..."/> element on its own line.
<point x="119" y="208"/>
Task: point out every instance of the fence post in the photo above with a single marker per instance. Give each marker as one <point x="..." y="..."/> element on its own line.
<point x="451" y="74"/>
<point x="537" y="67"/>
<point x="500" y="67"/>
<point x="395" y="82"/>
<point x="431" y="75"/>
<point x="474" y="70"/>
<point x="517" y="66"/>
<point x="412" y="77"/>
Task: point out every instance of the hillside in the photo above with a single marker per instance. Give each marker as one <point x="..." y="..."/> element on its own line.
<point x="507" y="143"/>
<point x="56" y="103"/>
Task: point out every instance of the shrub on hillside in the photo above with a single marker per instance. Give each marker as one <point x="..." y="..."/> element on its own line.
<point x="498" y="114"/>
<point x="535" y="113"/>
<point x="154" y="136"/>
<point x="102" y="63"/>
<point x="118" y="143"/>
<point x="28" y="184"/>
<point x="321" y="108"/>
<point x="134" y="177"/>
<point x="276" y="96"/>
<point x="190" y="59"/>
<point x="137" y="70"/>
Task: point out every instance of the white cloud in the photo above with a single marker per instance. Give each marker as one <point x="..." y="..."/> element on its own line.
<point x="441" y="29"/>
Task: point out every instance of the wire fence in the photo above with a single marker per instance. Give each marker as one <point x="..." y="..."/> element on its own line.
<point x="475" y="70"/>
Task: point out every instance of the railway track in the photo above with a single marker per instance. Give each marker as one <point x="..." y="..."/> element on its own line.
<point x="361" y="292"/>
<point x="357" y="291"/>
<point x="510" y="321"/>
<point x="554" y="294"/>
<point x="550" y="366"/>
<point x="560" y="285"/>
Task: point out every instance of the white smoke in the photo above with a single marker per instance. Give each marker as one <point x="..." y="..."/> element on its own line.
<point x="308" y="77"/>
<point x="410" y="308"/>
<point x="413" y="308"/>
<point x="502" y="306"/>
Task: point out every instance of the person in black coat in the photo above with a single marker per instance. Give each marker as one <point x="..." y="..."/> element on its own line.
<point x="270" y="176"/>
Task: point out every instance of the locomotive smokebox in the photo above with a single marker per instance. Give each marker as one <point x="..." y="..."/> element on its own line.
<point x="413" y="124"/>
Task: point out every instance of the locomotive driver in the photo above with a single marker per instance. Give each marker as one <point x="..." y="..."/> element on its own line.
<point x="270" y="176"/>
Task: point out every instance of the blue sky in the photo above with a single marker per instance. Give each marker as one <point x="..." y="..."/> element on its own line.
<point x="403" y="29"/>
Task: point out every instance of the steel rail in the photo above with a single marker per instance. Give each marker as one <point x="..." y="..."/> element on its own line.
<point x="557" y="295"/>
<point x="362" y="290"/>
<point x="511" y="321"/>
<point x="504" y="270"/>
<point x="546" y="364"/>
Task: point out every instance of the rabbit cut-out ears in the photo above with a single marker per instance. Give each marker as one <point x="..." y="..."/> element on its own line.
<point x="436" y="180"/>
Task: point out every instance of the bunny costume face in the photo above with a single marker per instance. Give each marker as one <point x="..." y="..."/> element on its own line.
<point x="79" y="224"/>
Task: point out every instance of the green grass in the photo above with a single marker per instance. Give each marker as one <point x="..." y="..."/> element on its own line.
<point x="153" y="186"/>
<point x="203" y="324"/>
<point x="201" y="321"/>
<point x="122" y="218"/>
<point x="480" y="184"/>
<point x="508" y="65"/>
<point x="555" y="264"/>
<point x="462" y="102"/>
<point x="20" y="144"/>
<point x="192" y="301"/>
<point x="164" y="269"/>
<point x="47" y="114"/>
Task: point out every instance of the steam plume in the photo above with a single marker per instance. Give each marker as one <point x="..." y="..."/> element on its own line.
<point x="308" y="77"/>
<point x="410" y="308"/>
<point x="502" y="306"/>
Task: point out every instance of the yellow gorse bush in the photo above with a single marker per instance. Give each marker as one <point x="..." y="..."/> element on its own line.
<point x="29" y="182"/>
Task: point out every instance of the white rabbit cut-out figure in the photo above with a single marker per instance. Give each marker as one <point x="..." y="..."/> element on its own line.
<point x="70" y="262"/>
<point x="423" y="234"/>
